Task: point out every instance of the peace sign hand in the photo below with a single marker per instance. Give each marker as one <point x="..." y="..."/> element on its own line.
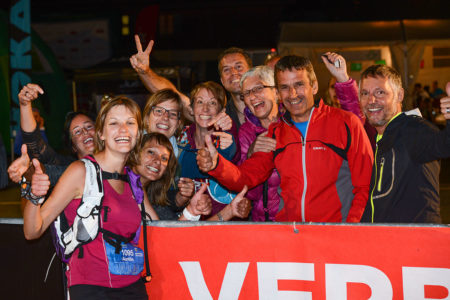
<point x="141" y="60"/>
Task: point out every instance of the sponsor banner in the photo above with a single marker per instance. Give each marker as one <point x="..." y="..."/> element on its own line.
<point x="20" y="56"/>
<point x="283" y="261"/>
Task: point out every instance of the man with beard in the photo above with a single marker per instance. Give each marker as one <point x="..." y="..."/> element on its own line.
<point x="233" y="63"/>
<point x="404" y="187"/>
<point x="322" y="154"/>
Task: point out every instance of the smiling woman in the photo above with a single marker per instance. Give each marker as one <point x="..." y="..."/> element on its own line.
<point x="207" y="100"/>
<point x="117" y="130"/>
<point x="261" y="99"/>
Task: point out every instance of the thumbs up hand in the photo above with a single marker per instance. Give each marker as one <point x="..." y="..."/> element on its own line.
<point x="207" y="157"/>
<point x="40" y="182"/>
<point x="19" y="166"/>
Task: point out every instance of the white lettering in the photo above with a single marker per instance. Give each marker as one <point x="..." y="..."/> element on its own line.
<point x="231" y="285"/>
<point x="337" y="276"/>
<point x="270" y="272"/>
<point x="415" y="280"/>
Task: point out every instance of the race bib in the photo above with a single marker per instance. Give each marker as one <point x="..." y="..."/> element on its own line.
<point x="129" y="261"/>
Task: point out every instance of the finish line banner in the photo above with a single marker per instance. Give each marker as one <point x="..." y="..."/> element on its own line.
<point x="280" y="261"/>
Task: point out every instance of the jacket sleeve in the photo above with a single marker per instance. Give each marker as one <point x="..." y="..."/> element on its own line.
<point x="428" y="143"/>
<point x="347" y="94"/>
<point x="54" y="172"/>
<point x="251" y="173"/>
<point x="360" y="160"/>
<point x="38" y="148"/>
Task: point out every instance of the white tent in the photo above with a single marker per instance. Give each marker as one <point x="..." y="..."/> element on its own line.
<point x="400" y="44"/>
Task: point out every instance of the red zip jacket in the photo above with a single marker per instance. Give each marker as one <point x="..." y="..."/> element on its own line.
<point x="325" y="175"/>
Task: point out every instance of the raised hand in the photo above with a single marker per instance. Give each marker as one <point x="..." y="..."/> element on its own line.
<point x="445" y="103"/>
<point x="341" y="72"/>
<point x="262" y="143"/>
<point x="221" y="121"/>
<point x="19" y="166"/>
<point x="200" y="203"/>
<point x="226" y="139"/>
<point x="207" y="157"/>
<point x="29" y="93"/>
<point x="40" y="183"/>
<point x="240" y="205"/>
<point x="186" y="187"/>
<point x="141" y="60"/>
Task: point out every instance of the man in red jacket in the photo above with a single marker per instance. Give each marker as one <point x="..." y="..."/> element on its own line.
<point x="322" y="154"/>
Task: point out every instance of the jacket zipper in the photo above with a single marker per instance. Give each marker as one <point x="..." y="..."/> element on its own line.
<point x="371" y="194"/>
<point x="381" y="174"/>
<point x="305" y="179"/>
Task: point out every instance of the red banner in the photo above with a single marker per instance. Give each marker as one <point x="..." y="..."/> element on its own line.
<point x="278" y="261"/>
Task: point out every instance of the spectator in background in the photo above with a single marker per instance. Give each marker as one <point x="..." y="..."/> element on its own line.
<point x="423" y="101"/>
<point x="437" y="92"/>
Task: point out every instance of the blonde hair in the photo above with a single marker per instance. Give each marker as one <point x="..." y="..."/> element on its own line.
<point x="107" y="105"/>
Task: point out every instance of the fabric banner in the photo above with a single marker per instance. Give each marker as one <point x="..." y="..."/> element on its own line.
<point x="20" y="58"/>
<point x="286" y="261"/>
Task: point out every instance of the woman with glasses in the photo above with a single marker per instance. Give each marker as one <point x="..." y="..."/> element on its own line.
<point x="162" y="114"/>
<point x="261" y="100"/>
<point x="207" y="101"/>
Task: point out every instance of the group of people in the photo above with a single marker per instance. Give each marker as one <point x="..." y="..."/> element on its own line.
<point x="427" y="101"/>
<point x="267" y="152"/>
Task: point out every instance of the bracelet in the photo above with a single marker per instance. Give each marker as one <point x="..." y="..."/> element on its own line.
<point x="190" y="216"/>
<point x="36" y="200"/>
<point x="25" y="192"/>
<point x="219" y="215"/>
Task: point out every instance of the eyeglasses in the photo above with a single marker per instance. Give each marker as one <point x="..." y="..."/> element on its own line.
<point x="79" y="130"/>
<point x="257" y="90"/>
<point x="160" y="111"/>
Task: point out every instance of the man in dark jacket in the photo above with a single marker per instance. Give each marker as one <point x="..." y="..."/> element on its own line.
<point x="404" y="187"/>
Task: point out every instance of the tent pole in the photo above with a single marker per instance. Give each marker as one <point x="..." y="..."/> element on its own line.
<point x="74" y="95"/>
<point x="405" y="56"/>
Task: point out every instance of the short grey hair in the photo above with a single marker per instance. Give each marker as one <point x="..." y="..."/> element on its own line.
<point x="264" y="73"/>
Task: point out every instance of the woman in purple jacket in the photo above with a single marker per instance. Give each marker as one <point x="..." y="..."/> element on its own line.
<point x="261" y="100"/>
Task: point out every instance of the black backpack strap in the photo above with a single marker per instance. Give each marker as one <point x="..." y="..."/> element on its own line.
<point x="114" y="239"/>
<point x="148" y="274"/>
<point x="115" y="175"/>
